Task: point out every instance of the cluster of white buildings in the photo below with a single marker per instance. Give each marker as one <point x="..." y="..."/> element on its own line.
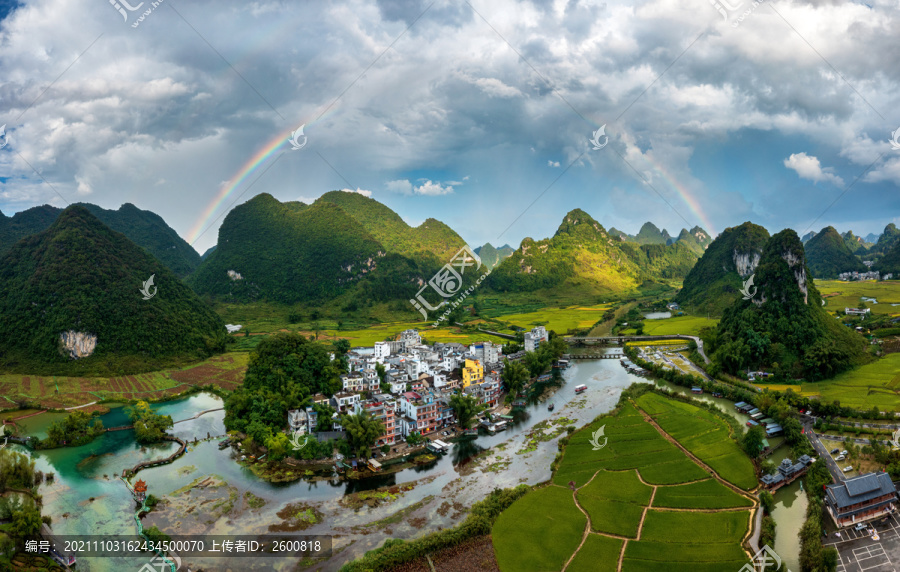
<point x="419" y="381"/>
<point x="870" y="275"/>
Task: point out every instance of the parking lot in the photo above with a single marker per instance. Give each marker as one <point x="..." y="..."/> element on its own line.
<point x="860" y="552"/>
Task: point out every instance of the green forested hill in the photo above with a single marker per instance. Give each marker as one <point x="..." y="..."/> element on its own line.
<point x="145" y="228"/>
<point x="714" y="282"/>
<point x="388" y="228"/>
<point x="650" y="234"/>
<point x="827" y="255"/>
<point x="784" y="326"/>
<point x="493" y="256"/>
<point x="584" y="255"/>
<point x="287" y="254"/>
<point x="890" y="262"/>
<point x="82" y="276"/>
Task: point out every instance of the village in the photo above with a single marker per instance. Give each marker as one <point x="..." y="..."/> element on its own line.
<point x="412" y="395"/>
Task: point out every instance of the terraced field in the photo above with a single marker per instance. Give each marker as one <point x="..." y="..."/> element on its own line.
<point x="639" y="499"/>
<point x="704" y="435"/>
<point x="225" y="371"/>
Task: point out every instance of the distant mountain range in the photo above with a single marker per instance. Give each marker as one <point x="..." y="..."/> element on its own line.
<point x="583" y="256"/>
<point x="145" y="228"/>
<point x="697" y="238"/>
<point x="80" y="289"/>
<point x="828" y="254"/>
<point x="493" y="256"/>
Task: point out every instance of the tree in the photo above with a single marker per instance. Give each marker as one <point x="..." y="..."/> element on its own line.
<point x="149" y="427"/>
<point x="26" y="522"/>
<point x="341" y="347"/>
<point x="362" y="432"/>
<point x="382" y="375"/>
<point x="414" y="438"/>
<point x="514" y="375"/>
<point x="752" y="441"/>
<point x="278" y="446"/>
<point x="767" y="500"/>
<point x="465" y="407"/>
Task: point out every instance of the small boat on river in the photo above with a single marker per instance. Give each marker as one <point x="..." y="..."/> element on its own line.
<point x="550" y="407"/>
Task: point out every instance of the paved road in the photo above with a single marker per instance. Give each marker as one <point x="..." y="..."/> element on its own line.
<point x="821" y="451"/>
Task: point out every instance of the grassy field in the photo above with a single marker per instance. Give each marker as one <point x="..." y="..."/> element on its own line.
<point x="704" y="494"/>
<point x="561" y="320"/>
<point x="875" y="383"/>
<point x="609" y="487"/>
<point x="615" y="502"/>
<point x="704" y="435"/>
<point x="549" y="515"/>
<point x="685" y="325"/>
<point x="225" y="371"/>
<point x="599" y="554"/>
<point x="839" y="295"/>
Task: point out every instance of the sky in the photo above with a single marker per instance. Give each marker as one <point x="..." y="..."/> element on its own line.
<point x="478" y="113"/>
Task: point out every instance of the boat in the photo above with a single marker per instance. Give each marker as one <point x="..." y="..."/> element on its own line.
<point x="580" y="388"/>
<point x="470" y="432"/>
<point x="550" y="407"/>
<point x="519" y="403"/>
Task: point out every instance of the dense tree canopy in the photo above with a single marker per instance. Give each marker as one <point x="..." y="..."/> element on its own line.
<point x="285" y="370"/>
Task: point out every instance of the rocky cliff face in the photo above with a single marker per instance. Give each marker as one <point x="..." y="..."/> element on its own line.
<point x="745" y="262"/>
<point x="797" y="265"/>
<point x="77" y="344"/>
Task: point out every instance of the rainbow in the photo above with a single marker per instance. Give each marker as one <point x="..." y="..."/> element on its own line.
<point x="686" y="196"/>
<point x="228" y="188"/>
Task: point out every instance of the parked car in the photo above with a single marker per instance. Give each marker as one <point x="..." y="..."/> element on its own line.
<point x="844" y="452"/>
<point x="835" y="451"/>
<point x="839" y="458"/>
<point x="848" y="468"/>
<point x="860" y="527"/>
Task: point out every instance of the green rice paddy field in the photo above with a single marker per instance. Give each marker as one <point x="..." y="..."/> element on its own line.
<point x="839" y="295"/>
<point x="686" y="325"/>
<point x="628" y="488"/>
<point x="876" y="383"/>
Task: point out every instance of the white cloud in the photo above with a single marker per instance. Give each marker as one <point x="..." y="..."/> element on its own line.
<point x="808" y="167"/>
<point x="429" y="188"/>
<point x="553" y="163"/>
<point x="433" y="189"/>
<point x="362" y="192"/>
<point x="402" y="186"/>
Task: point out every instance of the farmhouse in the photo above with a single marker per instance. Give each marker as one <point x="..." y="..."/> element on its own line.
<point x="861" y="498"/>
<point x="856" y="311"/>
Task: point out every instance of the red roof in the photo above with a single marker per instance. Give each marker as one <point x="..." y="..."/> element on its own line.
<point x="140" y="486"/>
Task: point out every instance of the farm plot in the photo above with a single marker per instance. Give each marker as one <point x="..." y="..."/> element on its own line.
<point x="617" y="485"/>
<point x="539" y="531"/>
<point x="704" y="435"/>
<point x="704" y="494"/>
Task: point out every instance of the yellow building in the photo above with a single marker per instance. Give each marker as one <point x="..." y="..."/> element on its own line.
<point x="473" y="372"/>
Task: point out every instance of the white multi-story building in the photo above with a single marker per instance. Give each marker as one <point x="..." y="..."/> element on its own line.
<point x="422" y="408"/>
<point x="353" y="381"/>
<point x="535" y="337"/>
<point x="485" y="352"/>
<point x="411" y="337"/>
<point x="386" y="349"/>
<point x="345" y="402"/>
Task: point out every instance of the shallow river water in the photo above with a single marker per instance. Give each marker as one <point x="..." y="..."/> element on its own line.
<point x="438" y="493"/>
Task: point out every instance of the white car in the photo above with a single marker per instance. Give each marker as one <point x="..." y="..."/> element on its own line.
<point x="848" y="468"/>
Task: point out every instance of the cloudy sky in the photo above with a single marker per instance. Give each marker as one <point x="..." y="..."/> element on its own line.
<point x="478" y="113"/>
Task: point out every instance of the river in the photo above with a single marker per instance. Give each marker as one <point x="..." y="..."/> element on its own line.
<point x="439" y="491"/>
